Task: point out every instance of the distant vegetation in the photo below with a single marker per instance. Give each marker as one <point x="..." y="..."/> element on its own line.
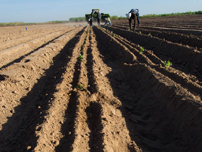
<point x="16" y="24"/>
<point x="55" y="22"/>
<point x="22" y="23"/>
<point x="172" y="14"/>
<point x="77" y="19"/>
<point x="81" y="19"/>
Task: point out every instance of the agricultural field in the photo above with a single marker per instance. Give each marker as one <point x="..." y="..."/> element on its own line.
<point x="72" y="87"/>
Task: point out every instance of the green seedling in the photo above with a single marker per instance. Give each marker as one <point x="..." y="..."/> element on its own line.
<point x="128" y="29"/>
<point x="80" y="86"/>
<point x="167" y="64"/>
<point x="149" y="34"/>
<point x="111" y="32"/>
<point x="107" y="30"/>
<point x="191" y="34"/>
<point x="164" y="39"/>
<point x="80" y="57"/>
<point x="114" y="35"/>
<point x="141" y="49"/>
<point x="140" y="32"/>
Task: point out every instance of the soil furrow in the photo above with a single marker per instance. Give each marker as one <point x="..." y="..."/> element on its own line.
<point x="151" y="103"/>
<point x="17" y="32"/>
<point x="36" y="49"/>
<point x="64" y="100"/>
<point x="35" y="103"/>
<point x="27" y="39"/>
<point x="102" y="89"/>
<point x="21" y="77"/>
<point x="190" y="40"/>
<point x="114" y="133"/>
<point x="183" y="58"/>
<point x="26" y="49"/>
<point x="177" y="76"/>
<point x="81" y="127"/>
<point x="176" y="30"/>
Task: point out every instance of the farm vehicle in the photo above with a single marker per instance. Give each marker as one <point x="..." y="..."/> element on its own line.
<point x="96" y="16"/>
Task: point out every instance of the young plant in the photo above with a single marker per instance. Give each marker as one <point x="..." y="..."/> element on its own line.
<point x="164" y="39"/>
<point x="141" y="49"/>
<point x="114" y="35"/>
<point x="140" y="32"/>
<point x="167" y="64"/>
<point x="191" y="34"/>
<point x="80" y="57"/>
<point x="80" y="86"/>
<point x="149" y="34"/>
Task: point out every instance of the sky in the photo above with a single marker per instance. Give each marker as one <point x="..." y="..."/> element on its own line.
<point x="51" y="10"/>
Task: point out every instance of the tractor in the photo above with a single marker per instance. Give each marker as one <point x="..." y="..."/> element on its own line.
<point x="96" y="16"/>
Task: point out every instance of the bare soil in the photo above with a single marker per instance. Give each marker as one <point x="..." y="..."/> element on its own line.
<point x="116" y="98"/>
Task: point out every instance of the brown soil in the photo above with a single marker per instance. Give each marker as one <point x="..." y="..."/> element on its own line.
<point x="115" y="99"/>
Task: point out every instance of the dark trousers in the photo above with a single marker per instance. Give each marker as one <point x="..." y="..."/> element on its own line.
<point x="135" y="18"/>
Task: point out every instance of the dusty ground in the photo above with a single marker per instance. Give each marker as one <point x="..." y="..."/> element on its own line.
<point x="114" y="99"/>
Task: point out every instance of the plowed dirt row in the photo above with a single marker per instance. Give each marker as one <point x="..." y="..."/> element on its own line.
<point x="185" y="24"/>
<point x="91" y="89"/>
<point x="30" y="38"/>
<point x="154" y="102"/>
<point x="190" y="40"/>
<point x="184" y="58"/>
<point x="8" y="34"/>
<point x="27" y="90"/>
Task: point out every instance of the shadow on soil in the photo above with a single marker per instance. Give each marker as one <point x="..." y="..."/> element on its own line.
<point x="95" y="125"/>
<point x="68" y="129"/>
<point x="19" y="131"/>
<point x="91" y="81"/>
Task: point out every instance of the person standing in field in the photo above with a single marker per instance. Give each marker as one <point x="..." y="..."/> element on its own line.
<point x="108" y="21"/>
<point x="132" y="16"/>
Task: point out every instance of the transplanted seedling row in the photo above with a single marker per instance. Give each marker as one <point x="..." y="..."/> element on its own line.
<point x="79" y="85"/>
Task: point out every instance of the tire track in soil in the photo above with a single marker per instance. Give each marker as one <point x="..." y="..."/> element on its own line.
<point x="19" y="132"/>
<point x="158" y="112"/>
<point x="22" y="57"/>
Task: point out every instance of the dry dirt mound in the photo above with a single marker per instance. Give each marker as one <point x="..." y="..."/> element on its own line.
<point x="94" y="89"/>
